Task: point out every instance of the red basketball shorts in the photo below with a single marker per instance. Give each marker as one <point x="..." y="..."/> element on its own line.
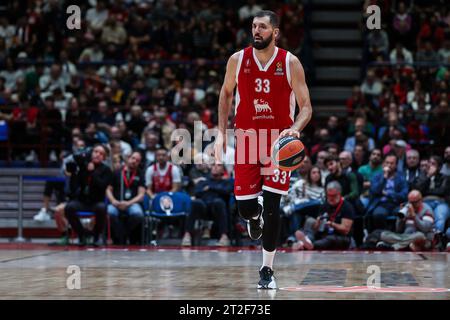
<point x="254" y="170"/>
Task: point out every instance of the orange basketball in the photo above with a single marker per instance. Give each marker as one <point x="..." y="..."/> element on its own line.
<point x="288" y="153"/>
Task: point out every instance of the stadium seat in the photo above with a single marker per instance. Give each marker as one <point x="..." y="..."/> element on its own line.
<point x="165" y="205"/>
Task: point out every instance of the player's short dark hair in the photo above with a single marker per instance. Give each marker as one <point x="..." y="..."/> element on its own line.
<point x="274" y="20"/>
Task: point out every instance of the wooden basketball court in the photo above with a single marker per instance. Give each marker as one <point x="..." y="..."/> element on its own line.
<point x="41" y="272"/>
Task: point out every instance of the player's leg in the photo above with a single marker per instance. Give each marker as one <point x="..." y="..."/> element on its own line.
<point x="276" y="183"/>
<point x="247" y="189"/>
<point x="271" y="231"/>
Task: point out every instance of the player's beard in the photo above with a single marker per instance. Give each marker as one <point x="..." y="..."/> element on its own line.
<point x="262" y="44"/>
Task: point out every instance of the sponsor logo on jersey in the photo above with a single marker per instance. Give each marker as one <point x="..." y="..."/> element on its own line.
<point x="279" y="70"/>
<point x="261" y="106"/>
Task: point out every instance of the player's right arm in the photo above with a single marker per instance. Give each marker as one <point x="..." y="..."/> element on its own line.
<point x="225" y="102"/>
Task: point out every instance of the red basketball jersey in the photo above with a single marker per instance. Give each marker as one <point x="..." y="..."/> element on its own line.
<point x="264" y="97"/>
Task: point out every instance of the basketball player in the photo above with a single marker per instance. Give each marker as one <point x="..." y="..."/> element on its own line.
<point x="269" y="82"/>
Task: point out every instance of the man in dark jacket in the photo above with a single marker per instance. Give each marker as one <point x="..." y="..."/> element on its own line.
<point x="388" y="190"/>
<point x="212" y="195"/>
<point x="88" y="182"/>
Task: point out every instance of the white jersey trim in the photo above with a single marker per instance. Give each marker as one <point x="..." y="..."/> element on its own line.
<point x="274" y="190"/>
<point x="248" y="197"/>
<point x="238" y="67"/>
<point x="288" y="68"/>
<point x="268" y="63"/>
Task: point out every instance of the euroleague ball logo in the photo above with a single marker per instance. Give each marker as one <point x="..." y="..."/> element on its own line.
<point x="288" y="153"/>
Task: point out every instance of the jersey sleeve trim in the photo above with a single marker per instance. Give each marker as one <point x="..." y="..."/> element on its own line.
<point x="238" y="67"/>
<point x="288" y="68"/>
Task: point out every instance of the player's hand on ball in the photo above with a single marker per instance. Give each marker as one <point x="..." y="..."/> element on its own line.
<point x="290" y="132"/>
<point x="220" y="147"/>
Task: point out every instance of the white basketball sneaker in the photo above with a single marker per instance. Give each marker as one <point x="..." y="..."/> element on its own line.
<point x="42" y="215"/>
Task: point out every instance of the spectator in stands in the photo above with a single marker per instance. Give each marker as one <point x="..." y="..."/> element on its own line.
<point x="356" y="101"/>
<point x="320" y="163"/>
<point x="378" y="43"/>
<point x="11" y="74"/>
<point x="304" y="196"/>
<point x="248" y="10"/>
<point x="400" y="54"/>
<point x="427" y="54"/>
<point x="359" y="138"/>
<point x="200" y="171"/>
<point x="96" y="17"/>
<point x="163" y="175"/>
<point x="149" y="147"/>
<point x="347" y="181"/>
<point x="393" y="122"/>
<point x="116" y="136"/>
<point x="446" y="166"/>
<point x="435" y="188"/>
<point x="402" y="25"/>
<point x="323" y="137"/>
<point x="126" y="193"/>
<point x="371" y="86"/>
<point x="336" y="134"/>
<point x="430" y="32"/>
<point x="211" y="202"/>
<point x="93" y="136"/>
<point x="412" y="170"/>
<point x="444" y="52"/>
<point x="399" y="148"/>
<point x="369" y="170"/>
<point x="303" y="170"/>
<point x="332" y="228"/>
<point x="360" y="155"/>
<point x="88" y="182"/>
<point x="413" y="228"/>
<point x="103" y="117"/>
<point x="387" y="190"/>
<point x="55" y="79"/>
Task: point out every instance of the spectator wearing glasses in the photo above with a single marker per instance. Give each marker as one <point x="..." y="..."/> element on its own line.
<point x="332" y="228"/>
<point x="412" y="170"/>
<point x="414" y="226"/>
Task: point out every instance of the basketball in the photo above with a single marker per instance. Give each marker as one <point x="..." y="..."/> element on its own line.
<point x="288" y="153"/>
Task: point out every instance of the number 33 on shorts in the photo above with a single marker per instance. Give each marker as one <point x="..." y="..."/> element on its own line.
<point x="280" y="176"/>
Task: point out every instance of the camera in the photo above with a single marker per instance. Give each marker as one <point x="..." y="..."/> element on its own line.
<point x="323" y="222"/>
<point x="80" y="159"/>
<point x="402" y="213"/>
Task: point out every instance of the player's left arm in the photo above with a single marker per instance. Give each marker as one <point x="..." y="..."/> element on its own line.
<point x="298" y="84"/>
